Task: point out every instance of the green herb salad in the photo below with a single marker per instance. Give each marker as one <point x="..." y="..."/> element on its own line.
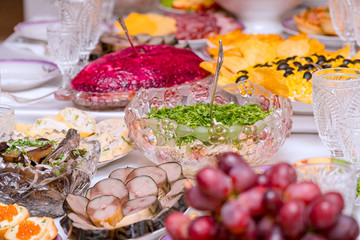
<point x="199" y="115"/>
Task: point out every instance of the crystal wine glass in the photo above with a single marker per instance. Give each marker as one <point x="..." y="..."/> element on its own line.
<point x="334" y="95"/>
<point x="355" y="6"/>
<point x="64" y="49"/>
<point x="341" y="18"/>
<point x="87" y="15"/>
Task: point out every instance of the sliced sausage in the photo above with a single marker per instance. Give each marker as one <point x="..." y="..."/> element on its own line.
<point x="121" y="173"/>
<point x="105" y="210"/>
<point x="110" y="186"/>
<point x="139" y="209"/>
<point x="158" y="174"/>
<point x="77" y="204"/>
<point x="142" y="186"/>
<point x="173" y="171"/>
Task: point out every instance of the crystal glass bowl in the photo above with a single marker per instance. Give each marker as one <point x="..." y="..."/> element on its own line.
<point x="331" y="175"/>
<point x="42" y="188"/>
<point x="157" y="138"/>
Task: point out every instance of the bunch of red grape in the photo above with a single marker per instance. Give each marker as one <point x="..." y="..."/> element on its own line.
<point x="244" y="205"/>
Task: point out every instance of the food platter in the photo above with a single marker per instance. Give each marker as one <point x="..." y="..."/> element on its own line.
<point x="289" y="27"/>
<point x="33" y="74"/>
<point x="136" y="161"/>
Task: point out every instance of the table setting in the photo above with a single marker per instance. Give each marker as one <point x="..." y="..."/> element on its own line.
<point x="181" y="120"/>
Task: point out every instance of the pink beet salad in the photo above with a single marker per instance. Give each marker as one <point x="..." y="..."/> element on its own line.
<point x="155" y="66"/>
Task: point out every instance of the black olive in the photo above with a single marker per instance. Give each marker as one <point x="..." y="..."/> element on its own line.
<point x="287" y="74"/>
<point x="281" y="61"/>
<point x="308" y="67"/>
<point x="343" y="66"/>
<point x="321" y="58"/>
<point x="320" y="62"/>
<point x="308" y="59"/>
<point x="282" y="66"/>
<point x="307" y="75"/>
<point x="326" y="66"/>
<point x="266" y="65"/>
<point x="242" y="78"/>
<point x="257" y="65"/>
<point x="298" y="64"/>
<point x="339" y="56"/>
<point x="356" y="61"/>
<point x="330" y="60"/>
<point x="301" y="68"/>
<point x="291" y="58"/>
<point x="347" y="61"/>
<point x="289" y="69"/>
<point x="243" y="71"/>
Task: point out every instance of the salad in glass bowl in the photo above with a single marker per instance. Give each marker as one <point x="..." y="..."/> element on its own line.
<point x="173" y="124"/>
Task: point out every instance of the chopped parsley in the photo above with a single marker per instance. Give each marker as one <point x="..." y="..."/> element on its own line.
<point x="199" y="115"/>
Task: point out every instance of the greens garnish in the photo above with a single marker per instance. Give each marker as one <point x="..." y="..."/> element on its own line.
<point x="199" y="115"/>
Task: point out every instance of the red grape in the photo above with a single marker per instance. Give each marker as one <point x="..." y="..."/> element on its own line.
<point x="272" y="201"/>
<point x="275" y="234"/>
<point x="198" y="200"/>
<point x="265" y="226"/>
<point x="228" y="160"/>
<point x="235" y="217"/>
<point x="282" y="175"/>
<point x="250" y="233"/>
<point x="177" y="225"/>
<point x="262" y="180"/>
<point x="313" y="236"/>
<point x="292" y="218"/>
<point x="322" y="214"/>
<point x="252" y="200"/>
<point x="304" y="191"/>
<point x="214" y="183"/>
<point x="243" y="178"/>
<point x="336" y="199"/>
<point x="202" y="228"/>
<point x="345" y="228"/>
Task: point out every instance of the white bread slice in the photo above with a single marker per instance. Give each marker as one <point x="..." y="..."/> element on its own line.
<point x="78" y="119"/>
<point x="48" y="230"/>
<point x="21" y="216"/>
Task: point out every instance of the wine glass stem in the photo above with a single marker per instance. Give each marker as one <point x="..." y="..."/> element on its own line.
<point x="352" y="45"/>
<point x="66" y="76"/>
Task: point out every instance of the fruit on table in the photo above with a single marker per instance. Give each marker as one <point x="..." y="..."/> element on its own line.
<point x="154" y="66"/>
<point x="275" y="206"/>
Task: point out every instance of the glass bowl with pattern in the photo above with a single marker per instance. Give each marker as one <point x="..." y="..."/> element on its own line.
<point x="195" y="147"/>
<point x="38" y="172"/>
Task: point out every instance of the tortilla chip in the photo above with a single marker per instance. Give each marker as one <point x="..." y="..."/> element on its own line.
<point x="271" y="80"/>
<point x="257" y="52"/>
<point x="290" y="48"/>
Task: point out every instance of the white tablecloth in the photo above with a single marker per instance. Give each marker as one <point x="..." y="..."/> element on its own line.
<point x="299" y="146"/>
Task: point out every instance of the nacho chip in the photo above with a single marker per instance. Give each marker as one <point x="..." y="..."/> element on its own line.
<point x="291" y="48"/>
<point x="271" y="80"/>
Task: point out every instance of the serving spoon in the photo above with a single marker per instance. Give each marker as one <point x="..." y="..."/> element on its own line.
<point x="120" y="19"/>
<point x="219" y="62"/>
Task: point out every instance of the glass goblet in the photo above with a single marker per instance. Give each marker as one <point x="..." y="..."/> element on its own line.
<point x="350" y="139"/>
<point x="341" y="18"/>
<point x="331" y="175"/>
<point x="334" y="94"/>
<point x="87" y="15"/>
<point x="64" y="49"/>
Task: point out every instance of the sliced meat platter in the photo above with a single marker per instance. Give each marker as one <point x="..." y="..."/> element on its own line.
<point x="130" y="203"/>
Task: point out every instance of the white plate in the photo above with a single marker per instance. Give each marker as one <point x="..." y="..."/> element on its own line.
<point x="24" y="74"/>
<point x="104" y="163"/>
<point x="33" y="29"/>
<point x="289" y="26"/>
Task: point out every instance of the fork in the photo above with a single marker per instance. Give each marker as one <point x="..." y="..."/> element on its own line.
<point x="25" y="100"/>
